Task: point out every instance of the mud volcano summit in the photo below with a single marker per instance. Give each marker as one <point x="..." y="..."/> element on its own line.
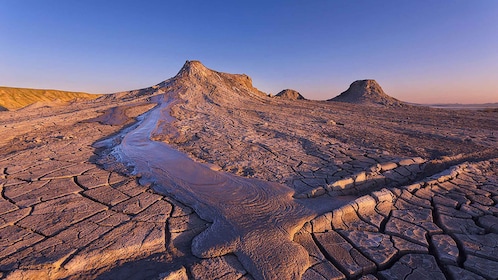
<point x="366" y="92"/>
<point x="203" y="176"/>
<point x="290" y="94"/>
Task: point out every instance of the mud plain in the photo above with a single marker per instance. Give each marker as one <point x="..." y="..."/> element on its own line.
<point x="418" y="187"/>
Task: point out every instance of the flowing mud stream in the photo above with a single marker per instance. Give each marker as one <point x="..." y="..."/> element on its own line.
<point x="253" y="219"/>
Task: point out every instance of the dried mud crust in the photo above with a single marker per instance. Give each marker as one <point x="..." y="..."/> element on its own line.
<point x="63" y="216"/>
<point x="443" y="227"/>
<point x="305" y="143"/>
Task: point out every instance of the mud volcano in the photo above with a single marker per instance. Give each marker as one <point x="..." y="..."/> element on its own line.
<point x="203" y="176"/>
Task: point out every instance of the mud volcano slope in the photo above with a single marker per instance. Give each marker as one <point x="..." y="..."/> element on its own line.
<point x="366" y="92"/>
<point x="202" y="92"/>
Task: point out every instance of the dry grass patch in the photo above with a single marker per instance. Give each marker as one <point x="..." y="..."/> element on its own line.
<point x="15" y="98"/>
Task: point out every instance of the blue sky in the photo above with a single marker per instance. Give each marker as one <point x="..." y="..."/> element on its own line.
<point x="419" y="51"/>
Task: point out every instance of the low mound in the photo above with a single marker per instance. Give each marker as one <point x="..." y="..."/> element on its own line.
<point x="366" y="92"/>
<point x="15" y="98"/>
<point x="290" y="94"/>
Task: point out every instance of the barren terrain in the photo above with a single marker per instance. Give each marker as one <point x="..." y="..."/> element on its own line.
<point x="204" y="177"/>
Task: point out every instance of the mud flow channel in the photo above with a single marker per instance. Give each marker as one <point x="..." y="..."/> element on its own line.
<point x="253" y="219"/>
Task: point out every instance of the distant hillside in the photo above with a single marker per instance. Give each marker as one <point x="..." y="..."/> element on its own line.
<point x="366" y="92"/>
<point x="15" y="98"/>
<point x="489" y="107"/>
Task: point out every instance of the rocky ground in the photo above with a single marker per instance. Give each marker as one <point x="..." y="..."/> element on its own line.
<point x="420" y="184"/>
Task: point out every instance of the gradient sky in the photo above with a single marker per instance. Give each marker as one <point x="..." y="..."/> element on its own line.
<point x="418" y="51"/>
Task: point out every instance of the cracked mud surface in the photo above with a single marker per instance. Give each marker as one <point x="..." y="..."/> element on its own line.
<point x="420" y="187"/>
<point x="438" y="228"/>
